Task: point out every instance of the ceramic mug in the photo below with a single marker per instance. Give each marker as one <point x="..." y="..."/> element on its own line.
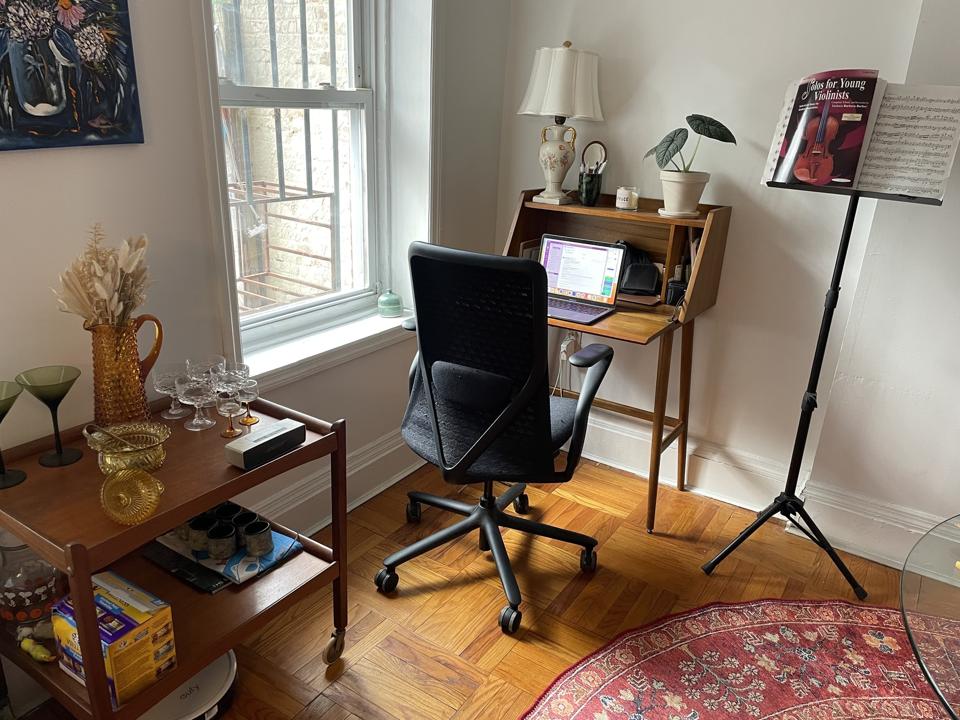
<point x="199" y="527"/>
<point x="259" y="538"/>
<point x="221" y="542"/>
<point x="627" y="197"/>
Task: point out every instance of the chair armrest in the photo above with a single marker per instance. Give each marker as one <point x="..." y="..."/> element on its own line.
<point x="409" y="324"/>
<point x="596" y="358"/>
<point x="591" y="355"/>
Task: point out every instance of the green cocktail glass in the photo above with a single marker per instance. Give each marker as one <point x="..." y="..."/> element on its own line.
<point x="50" y="386"/>
<point x="9" y="392"/>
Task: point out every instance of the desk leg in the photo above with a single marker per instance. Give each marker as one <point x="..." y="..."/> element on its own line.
<point x="686" y="365"/>
<point x="659" y="412"/>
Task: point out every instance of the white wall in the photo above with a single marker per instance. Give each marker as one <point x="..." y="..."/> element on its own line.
<point x="888" y="458"/>
<point x="473" y="47"/>
<point x="659" y="62"/>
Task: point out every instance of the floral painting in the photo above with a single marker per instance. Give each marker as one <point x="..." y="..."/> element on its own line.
<point x="66" y="74"/>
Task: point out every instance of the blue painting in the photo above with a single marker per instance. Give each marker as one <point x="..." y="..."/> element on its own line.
<point x="66" y="74"/>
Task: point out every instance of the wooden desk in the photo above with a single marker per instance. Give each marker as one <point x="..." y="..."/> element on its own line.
<point x="667" y="241"/>
<point x="56" y="511"/>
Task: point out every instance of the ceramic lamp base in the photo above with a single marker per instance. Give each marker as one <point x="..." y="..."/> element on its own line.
<point x="54" y="459"/>
<point x="552" y="200"/>
<point x="11" y="478"/>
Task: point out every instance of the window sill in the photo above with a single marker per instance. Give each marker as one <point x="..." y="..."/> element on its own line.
<point x="297" y="359"/>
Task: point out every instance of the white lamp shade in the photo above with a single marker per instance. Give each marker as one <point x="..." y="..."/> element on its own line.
<point x="563" y="83"/>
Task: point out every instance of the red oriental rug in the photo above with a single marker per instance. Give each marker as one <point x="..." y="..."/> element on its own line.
<point x="789" y="660"/>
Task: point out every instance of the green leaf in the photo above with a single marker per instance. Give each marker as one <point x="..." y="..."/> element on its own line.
<point x="651" y="151"/>
<point x="708" y="127"/>
<point x="671" y="144"/>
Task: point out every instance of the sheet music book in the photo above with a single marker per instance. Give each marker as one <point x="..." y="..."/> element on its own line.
<point x="849" y="128"/>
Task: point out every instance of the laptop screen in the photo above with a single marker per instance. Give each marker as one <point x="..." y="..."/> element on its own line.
<point x="581" y="270"/>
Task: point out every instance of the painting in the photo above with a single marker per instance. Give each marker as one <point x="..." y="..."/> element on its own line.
<point x="66" y="74"/>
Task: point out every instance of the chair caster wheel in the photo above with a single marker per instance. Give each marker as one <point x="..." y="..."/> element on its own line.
<point x="484" y="545"/>
<point x="414" y="511"/>
<point x="521" y="503"/>
<point x="588" y="560"/>
<point x="334" y="647"/>
<point x="510" y="620"/>
<point x="386" y="581"/>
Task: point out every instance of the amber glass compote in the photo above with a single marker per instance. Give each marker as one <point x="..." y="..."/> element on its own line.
<point x="50" y="386"/>
<point x="9" y="392"/>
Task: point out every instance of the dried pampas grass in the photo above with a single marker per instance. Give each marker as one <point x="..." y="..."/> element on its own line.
<point x="105" y="285"/>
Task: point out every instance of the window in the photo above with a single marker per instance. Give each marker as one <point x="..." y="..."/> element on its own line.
<point x="296" y="123"/>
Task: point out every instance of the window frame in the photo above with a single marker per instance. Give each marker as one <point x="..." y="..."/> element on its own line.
<point x="290" y="321"/>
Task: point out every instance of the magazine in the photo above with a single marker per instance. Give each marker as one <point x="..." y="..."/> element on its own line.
<point x="850" y="128"/>
<point x="240" y="567"/>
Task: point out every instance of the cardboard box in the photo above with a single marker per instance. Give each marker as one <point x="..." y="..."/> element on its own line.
<point x="136" y="636"/>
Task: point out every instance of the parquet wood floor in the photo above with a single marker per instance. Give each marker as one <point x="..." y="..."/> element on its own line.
<point x="435" y="650"/>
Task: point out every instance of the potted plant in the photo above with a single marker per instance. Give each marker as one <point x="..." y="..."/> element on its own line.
<point x="683" y="187"/>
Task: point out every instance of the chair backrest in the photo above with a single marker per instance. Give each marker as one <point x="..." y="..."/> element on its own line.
<point x="482" y="330"/>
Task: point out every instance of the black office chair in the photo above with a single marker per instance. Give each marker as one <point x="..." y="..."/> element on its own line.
<point x="480" y="406"/>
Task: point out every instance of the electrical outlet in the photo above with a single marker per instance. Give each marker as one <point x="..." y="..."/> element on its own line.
<point x="569" y="345"/>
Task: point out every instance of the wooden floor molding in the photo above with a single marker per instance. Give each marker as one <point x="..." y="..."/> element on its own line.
<point x="435" y="649"/>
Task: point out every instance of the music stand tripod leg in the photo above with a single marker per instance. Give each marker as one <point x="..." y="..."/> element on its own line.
<point x="822" y="541"/>
<point x="764" y="515"/>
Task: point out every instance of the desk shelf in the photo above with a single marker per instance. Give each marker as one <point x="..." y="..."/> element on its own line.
<point x="74" y="534"/>
<point x="665" y="239"/>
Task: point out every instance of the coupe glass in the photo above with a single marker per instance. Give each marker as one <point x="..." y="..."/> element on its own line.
<point x="232" y="376"/>
<point x="9" y="392"/>
<point x="165" y="381"/>
<point x="228" y="405"/>
<point x="196" y="393"/>
<point x="205" y="367"/>
<point x="50" y="386"/>
<point x="249" y="391"/>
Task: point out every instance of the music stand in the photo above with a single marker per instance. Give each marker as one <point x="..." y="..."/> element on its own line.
<point x="787" y="503"/>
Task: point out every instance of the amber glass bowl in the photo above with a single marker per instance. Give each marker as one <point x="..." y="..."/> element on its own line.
<point x="129" y="497"/>
<point x="147" y="439"/>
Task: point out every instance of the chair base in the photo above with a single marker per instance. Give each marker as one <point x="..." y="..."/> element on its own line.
<point x="488" y="516"/>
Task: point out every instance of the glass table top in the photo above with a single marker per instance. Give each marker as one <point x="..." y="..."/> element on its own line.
<point x="930" y="603"/>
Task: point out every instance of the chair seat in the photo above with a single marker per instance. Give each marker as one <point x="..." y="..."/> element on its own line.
<point x="461" y="426"/>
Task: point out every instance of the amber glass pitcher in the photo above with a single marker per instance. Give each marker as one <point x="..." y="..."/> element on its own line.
<point x="119" y="372"/>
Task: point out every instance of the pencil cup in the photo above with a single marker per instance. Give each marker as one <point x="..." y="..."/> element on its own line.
<point x="589" y="188"/>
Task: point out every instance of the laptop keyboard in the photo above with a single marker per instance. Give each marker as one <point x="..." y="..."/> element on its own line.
<point x="591" y="310"/>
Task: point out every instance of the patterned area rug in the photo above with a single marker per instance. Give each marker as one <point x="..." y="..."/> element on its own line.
<point x="790" y="660"/>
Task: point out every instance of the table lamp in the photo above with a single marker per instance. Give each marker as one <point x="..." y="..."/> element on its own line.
<point x="563" y="85"/>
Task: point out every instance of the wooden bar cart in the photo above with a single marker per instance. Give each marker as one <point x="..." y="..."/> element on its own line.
<point x="57" y="513"/>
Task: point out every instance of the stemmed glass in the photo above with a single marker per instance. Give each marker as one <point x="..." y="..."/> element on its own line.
<point x="165" y="381"/>
<point x="228" y="405"/>
<point x="249" y="391"/>
<point x="9" y="392"/>
<point x="197" y="393"/>
<point x="205" y="366"/>
<point x="232" y="376"/>
<point x="50" y="386"/>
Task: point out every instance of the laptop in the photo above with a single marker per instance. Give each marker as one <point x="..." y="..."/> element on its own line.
<point x="582" y="278"/>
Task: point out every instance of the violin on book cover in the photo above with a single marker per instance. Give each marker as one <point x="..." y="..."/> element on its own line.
<point x="815" y="165"/>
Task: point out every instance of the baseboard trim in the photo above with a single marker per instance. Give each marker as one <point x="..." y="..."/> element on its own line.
<point x="874" y="529"/>
<point x="716" y="471"/>
<point x="317" y="483"/>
